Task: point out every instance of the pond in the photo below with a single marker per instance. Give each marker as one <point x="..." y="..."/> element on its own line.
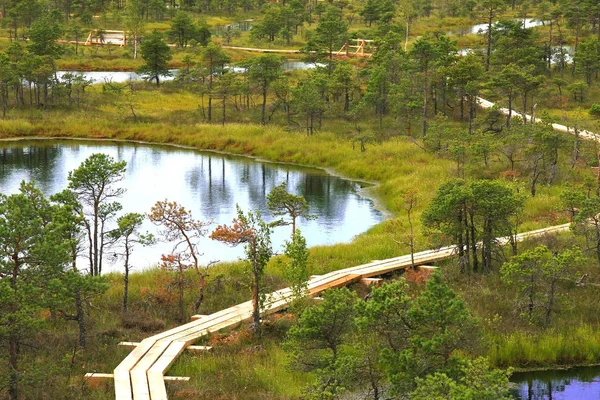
<point x="482" y="28"/>
<point x="125" y="76"/>
<point x="208" y="184"/>
<point x="575" y="383"/>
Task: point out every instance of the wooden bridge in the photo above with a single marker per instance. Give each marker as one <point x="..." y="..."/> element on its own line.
<point x="140" y="376"/>
<point x="100" y="37"/>
<point x="357" y="49"/>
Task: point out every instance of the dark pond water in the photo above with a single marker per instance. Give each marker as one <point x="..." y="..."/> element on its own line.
<point x="571" y="384"/>
<point x="209" y="184"/>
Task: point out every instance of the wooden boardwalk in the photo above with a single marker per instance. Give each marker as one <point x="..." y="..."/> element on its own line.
<point x="257" y="50"/>
<point x="486" y="104"/>
<point x="140" y="376"/>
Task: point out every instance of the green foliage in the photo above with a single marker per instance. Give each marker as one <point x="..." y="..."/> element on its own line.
<point x="254" y="233"/>
<point x="477" y="382"/>
<point x="595" y="110"/>
<point x="587" y="58"/>
<point x="282" y="203"/>
<point x="33" y="256"/>
<point x="43" y="34"/>
<point x="93" y="183"/>
<point x="307" y="99"/>
<point x="156" y="53"/>
<point x="536" y="274"/>
<point x="392" y="335"/>
<point x="184" y="30"/>
<point x="315" y="341"/>
<point x="262" y="71"/>
<point x="332" y="31"/>
<point x="467" y="212"/>
<point x="296" y="270"/>
<point x="127" y="235"/>
<point x="438" y="325"/>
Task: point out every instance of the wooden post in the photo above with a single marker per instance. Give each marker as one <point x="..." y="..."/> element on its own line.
<point x="88" y="41"/>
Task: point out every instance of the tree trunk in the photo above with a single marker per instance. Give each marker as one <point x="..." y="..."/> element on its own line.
<point x="95" y="244"/>
<point x="180" y="284"/>
<point x="126" y="277"/>
<point x="489" y="40"/>
<point x="13" y="356"/>
<point x="80" y="320"/>
<point x="473" y="243"/>
<point x="209" y="109"/>
<point x="264" y="104"/>
<point x="224" y="110"/>
<point x="255" y="298"/>
<point x="200" y="297"/>
<point x="531" y="294"/>
<point x="425" y="108"/>
<point x="509" y="116"/>
<point x="550" y="305"/>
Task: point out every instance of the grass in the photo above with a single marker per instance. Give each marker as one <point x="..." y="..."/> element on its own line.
<point x="248" y="371"/>
<point x="578" y="345"/>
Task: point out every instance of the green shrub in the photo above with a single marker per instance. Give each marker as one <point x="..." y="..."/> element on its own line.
<point x="595" y="110"/>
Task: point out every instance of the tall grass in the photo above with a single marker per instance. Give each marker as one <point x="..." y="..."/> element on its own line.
<point x="576" y="345"/>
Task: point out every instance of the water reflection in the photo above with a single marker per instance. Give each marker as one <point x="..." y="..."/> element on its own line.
<point x="576" y="383"/>
<point x="209" y="184"/>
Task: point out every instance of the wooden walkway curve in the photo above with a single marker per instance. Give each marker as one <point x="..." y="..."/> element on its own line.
<point x="140" y="376"/>
<point x="486" y="104"/>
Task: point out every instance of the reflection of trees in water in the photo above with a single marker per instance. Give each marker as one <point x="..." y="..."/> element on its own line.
<point x="39" y="162"/>
<point x="541" y="390"/>
<point x="129" y="154"/>
<point x="262" y="180"/>
<point x="209" y="181"/>
<point x="156" y="155"/>
<point x="213" y="183"/>
<point x="327" y="196"/>
<point x="543" y="385"/>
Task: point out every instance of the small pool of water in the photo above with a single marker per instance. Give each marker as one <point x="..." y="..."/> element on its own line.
<point x="572" y="384"/>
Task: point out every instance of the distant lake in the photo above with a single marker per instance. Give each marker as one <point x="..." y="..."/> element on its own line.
<point x="208" y="184"/>
<point x="125" y="76"/>
<point x="482" y="28"/>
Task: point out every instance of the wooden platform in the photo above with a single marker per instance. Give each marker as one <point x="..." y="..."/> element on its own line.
<point x="141" y="375"/>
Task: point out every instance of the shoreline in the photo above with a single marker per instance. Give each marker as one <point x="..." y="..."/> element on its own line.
<point x="365" y="191"/>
